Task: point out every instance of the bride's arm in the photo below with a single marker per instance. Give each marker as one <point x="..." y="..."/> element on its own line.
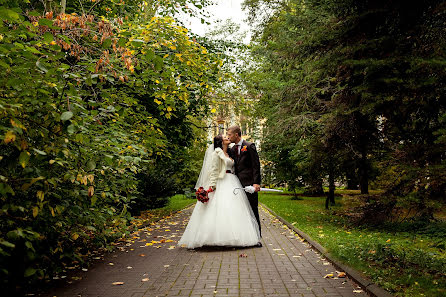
<point x="214" y="170"/>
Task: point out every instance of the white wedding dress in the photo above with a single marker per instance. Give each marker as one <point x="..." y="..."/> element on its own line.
<point x="225" y="220"/>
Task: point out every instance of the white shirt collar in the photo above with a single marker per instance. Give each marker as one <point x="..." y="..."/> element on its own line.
<point x="240" y="142"/>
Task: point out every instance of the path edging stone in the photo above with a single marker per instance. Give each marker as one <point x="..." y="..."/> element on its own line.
<point x="366" y="284"/>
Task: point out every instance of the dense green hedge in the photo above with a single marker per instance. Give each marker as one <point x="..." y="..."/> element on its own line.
<point x="86" y="104"/>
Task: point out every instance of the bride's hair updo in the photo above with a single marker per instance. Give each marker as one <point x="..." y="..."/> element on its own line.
<point x="218" y="142"/>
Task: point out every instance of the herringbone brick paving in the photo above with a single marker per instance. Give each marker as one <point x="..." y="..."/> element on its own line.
<point x="153" y="266"/>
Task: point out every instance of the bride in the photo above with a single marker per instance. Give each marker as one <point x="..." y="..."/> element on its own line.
<point x="227" y="218"/>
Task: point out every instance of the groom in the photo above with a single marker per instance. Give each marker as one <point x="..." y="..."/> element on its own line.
<point x="247" y="167"/>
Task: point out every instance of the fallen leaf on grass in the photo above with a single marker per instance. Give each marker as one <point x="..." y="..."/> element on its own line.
<point x="243" y="255"/>
<point x="118" y="283"/>
<point x="145" y="279"/>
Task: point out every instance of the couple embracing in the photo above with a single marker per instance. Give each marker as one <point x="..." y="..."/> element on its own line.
<point x="231" y="216"/>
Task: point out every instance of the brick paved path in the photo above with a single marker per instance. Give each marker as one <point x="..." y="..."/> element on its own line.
<point x="284" y="266"/>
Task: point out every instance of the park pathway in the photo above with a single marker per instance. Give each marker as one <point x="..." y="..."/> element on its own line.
<point x="150" y="264"/>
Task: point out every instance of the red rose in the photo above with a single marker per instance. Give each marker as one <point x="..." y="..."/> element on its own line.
<point x="244" y="149"/>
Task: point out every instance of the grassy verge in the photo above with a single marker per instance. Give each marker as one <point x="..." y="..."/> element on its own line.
<point x="176" y="203"/>
<point x="408" y="259"/>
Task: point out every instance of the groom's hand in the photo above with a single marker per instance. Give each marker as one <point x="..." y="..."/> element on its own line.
<point x="257" y="187"/>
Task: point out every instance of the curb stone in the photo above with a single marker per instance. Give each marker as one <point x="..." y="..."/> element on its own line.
<point x="366" y="284"/>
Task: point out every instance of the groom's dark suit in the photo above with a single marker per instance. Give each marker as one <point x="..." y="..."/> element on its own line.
<point x="247" y="169"/>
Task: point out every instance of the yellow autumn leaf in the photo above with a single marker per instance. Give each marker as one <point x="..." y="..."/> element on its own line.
<point x="173" y="47"/>
<point x="90" y="191"/>
<point x="157" y="81"/>
<point x="75" y="236"/>
<point x="9" y="137"/>
<point x="213" y="110"/>
<point x="388" y="240"/>
<point x="51" y="162"/>
<point x="169" y="108"/>
<point x="35" y="211"/>
<point x="90" y="177"/>
<point x="18" y="125"/>
<point x="52" y="212"/>
<point x="103" y="195"/>
<point x="157" y="101"/>
<point x="40" y="195"/>
<point x="165" y="56"/>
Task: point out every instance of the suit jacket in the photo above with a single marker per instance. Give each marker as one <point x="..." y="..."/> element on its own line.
<point x="247" y="165"/>
<point x="218" y="168"/>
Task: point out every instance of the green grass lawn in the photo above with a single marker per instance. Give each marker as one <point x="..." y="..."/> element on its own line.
<point x="408" y="259"/>
<point x="175" y="204"/>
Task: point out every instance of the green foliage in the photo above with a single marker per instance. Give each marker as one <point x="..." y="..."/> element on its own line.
<point x="86" y="103"/>
<point x="354" y="91"/>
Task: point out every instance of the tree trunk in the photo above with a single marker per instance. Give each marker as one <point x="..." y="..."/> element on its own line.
<point x="352" y="179"/>
<point x="364" y="174"/>
<point x="331" y="185"/>
<point x="63" y="6"/>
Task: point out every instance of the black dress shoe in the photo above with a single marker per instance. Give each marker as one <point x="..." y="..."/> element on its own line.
<point x="259" y="244"/>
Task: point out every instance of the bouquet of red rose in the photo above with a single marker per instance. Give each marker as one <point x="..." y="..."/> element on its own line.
<point x="202" y="194"/>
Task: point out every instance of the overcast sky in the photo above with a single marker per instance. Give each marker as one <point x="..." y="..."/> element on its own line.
<point x="221" y="10"/>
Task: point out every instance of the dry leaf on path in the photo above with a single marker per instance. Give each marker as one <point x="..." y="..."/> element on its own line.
<point x="342" y="274"/>
<point x="142" y="255"/>
<point x="145" y="280"/>
<point x="330" y="275"/>
<point x="243" y="255"/>
<point x="358" y="291"/>
<point x="118" y="283"/>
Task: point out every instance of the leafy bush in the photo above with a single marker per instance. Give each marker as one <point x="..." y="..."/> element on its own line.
<point x="75" y="132"/>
